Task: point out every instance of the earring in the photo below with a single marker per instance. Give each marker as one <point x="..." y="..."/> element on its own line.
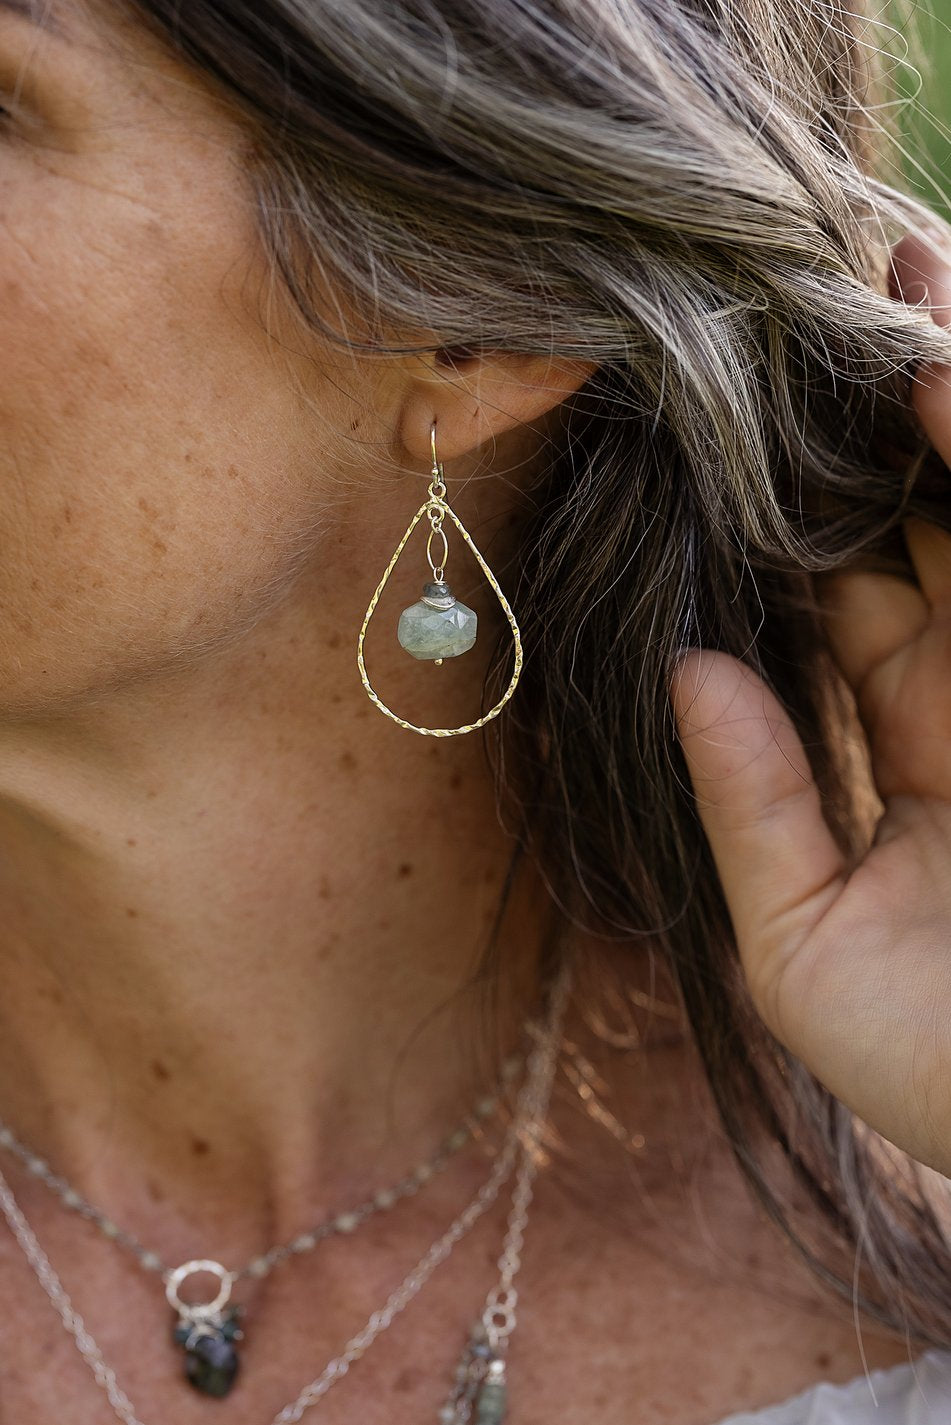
<point x="438" y="626"/>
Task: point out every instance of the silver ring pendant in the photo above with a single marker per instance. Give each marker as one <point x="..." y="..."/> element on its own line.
<point x="189" y="1269"/>
<point x="206" y="1330"/>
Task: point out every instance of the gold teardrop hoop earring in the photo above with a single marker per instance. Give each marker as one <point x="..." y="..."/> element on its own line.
<point x="438" y="626"/>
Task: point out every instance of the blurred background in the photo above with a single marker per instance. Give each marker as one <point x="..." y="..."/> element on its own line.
<point x="926" y="119"/>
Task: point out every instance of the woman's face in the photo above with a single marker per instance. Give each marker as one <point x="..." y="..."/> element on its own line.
<point x="157" y="468"/>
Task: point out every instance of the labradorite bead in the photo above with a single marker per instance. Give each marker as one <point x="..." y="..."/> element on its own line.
<point x="492" y="1402"/>
<point x="211" y="1365"/>
<point x="426" y="632"/>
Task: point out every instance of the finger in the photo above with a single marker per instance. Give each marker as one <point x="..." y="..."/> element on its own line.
<point x="930" y="549"/>
<point x="921" y="276"/>
<point x="868" y="617"/>
<point x="756" y="797"/>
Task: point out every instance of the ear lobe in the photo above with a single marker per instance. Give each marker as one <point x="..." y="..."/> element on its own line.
<point x="482" y="395"/>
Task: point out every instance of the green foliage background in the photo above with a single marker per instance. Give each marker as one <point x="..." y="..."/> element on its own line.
<point x="926" y="120"/>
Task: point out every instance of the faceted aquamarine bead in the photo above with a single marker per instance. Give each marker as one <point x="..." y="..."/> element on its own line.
<point x="428" y="632"/>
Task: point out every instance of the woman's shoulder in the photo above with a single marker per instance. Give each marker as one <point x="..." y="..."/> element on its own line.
<point x="915" y="1392"/>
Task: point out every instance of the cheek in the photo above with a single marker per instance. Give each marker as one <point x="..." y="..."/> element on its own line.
<point x="147" y="438"/>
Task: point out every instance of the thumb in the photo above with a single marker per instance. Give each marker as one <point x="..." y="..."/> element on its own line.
<point x="778" y="863"/>
<point x="921" y="276"/>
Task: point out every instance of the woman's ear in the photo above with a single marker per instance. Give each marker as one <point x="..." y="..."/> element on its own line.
<point x="473" y="398"/>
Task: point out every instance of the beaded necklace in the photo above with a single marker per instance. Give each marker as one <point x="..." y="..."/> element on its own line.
<point x="479" y="1390"/>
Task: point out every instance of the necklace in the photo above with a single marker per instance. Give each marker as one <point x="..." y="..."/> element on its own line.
<point x="480" y="1379"/>
<point x="480" y="1382"/>
<point x="208" y="1331"/>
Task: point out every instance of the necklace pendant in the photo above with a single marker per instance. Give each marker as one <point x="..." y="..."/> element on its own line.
<point x="478" y="1393"/>
<point x="211" y="1359"/>
<point x="492" y="1401"/>
<point x="206" y="1331"/>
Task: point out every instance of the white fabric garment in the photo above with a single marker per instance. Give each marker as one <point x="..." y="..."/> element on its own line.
<point x="912" y="1393"/>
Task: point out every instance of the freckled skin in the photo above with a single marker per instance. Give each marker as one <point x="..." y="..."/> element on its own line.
<point x="262" y="907"/>
<point x="144" y="430"/>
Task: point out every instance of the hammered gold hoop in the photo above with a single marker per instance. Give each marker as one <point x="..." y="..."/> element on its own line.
<point x="436" y="506"/>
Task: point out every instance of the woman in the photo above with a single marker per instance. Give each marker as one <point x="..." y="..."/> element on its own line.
<point x="304" y="995"/>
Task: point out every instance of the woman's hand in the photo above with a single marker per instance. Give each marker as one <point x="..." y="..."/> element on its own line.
<point x="852" y="973"/>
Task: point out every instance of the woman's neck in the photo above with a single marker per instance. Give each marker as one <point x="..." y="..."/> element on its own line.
<point x="241" y="915"/>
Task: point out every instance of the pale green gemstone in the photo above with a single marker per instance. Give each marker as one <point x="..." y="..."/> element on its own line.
<point x="426" y="632"/>
<point x="492" y="1403"/>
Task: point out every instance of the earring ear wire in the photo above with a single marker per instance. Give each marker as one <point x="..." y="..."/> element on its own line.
<point x="438" y="626"/>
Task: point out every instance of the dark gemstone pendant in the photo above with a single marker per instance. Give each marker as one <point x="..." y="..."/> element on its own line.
<point x="211" y="1359"/>
<point x="206" y="1330"/>
<point x="211" y="1365"/>
<point x="478" y="1390"/>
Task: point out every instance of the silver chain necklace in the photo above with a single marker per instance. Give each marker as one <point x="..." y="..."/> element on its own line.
<point x="208" y="1331"/>
<point x="479" y="1390"/>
